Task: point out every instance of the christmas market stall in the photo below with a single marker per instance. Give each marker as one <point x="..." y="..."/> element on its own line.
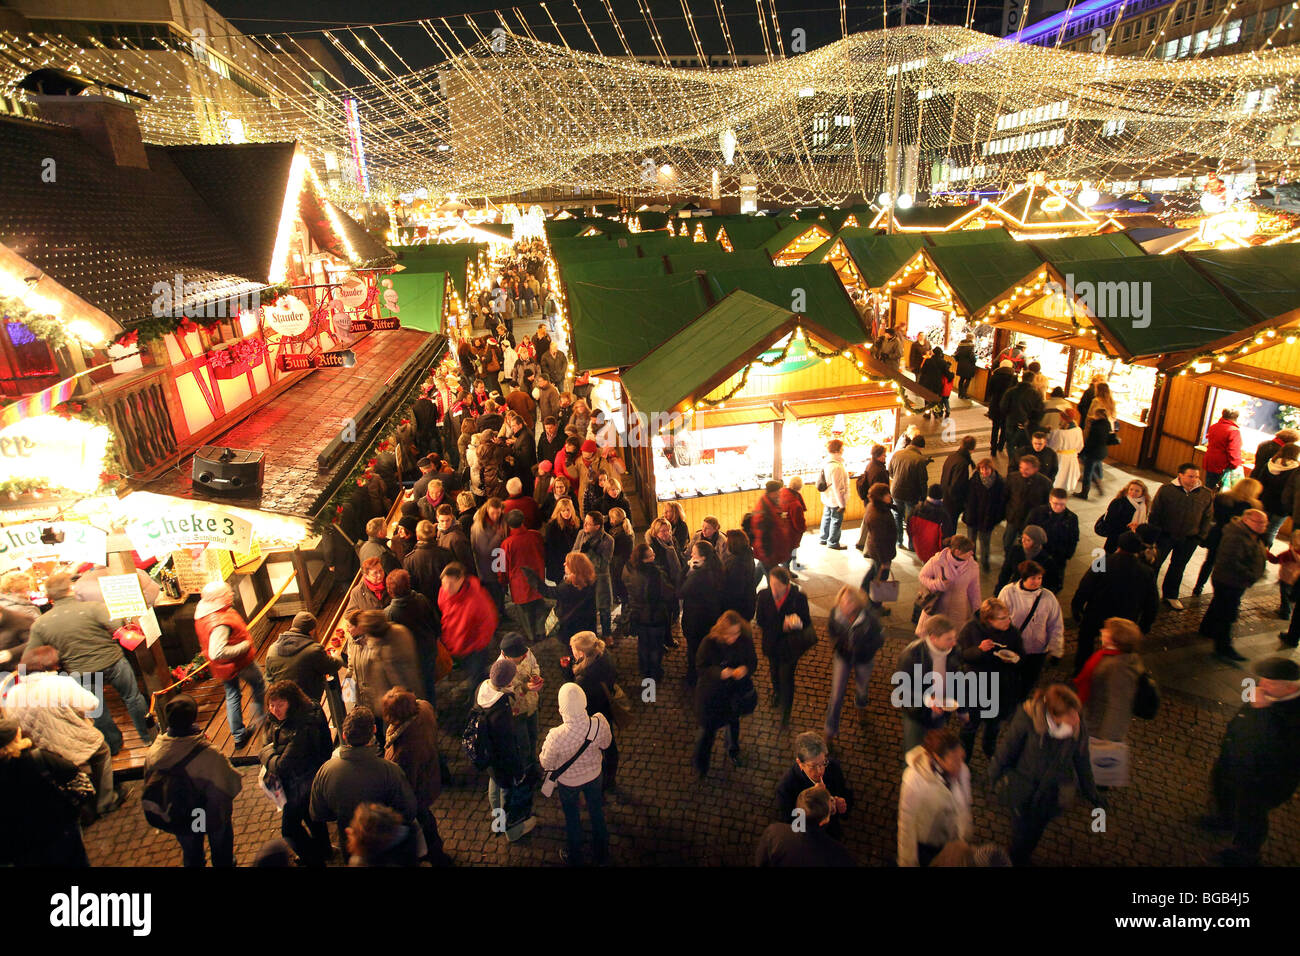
<point x="748" y="391"/>
<point x="946" y="292"/>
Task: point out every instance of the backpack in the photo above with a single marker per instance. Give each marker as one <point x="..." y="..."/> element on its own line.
<point x="475" y="741"/>
<point x="1146" y="702"/>
<point x="862" y="485"/>
<point x="169" y="797"/>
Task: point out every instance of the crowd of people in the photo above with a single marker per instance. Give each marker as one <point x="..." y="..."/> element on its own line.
<point x="515" y="530"/>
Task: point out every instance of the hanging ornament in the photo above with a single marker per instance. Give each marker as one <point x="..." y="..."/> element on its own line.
<point x="727" y="143"/>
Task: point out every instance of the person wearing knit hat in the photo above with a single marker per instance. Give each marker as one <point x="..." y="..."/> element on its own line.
<point x="297" y="656"/>
<point x="1031" y="546"/>
<point x="1258" y="767"/>
<point x="226" y="642"/>
<point x="526" y="688"/>
<point x="510" y="787"/>
<point x="1119" y="584"/>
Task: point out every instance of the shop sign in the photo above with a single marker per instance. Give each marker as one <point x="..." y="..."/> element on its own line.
<point x="122" y="594"/>
<point x="192" y="573"/>
<point x="180" y="528"/>
<point x="343" y="358"/>
<point x="796" y="359"/>
<point x="21" y="543"/>
<point x="62" y="452"/>
<point x="370" y="325"/>
<point x="289" y="316"/>
<point x="355" y="292"/>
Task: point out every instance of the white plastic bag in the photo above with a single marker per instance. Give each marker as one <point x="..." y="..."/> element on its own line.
<point x="271" y="786"/>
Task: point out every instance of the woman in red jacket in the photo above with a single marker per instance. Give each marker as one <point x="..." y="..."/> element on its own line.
<point x="469" y="619"/>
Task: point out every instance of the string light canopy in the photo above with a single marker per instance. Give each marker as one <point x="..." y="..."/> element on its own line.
<point x="515" y="106"/>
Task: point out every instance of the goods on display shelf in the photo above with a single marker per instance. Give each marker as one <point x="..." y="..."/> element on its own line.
<point x="1132" y="386"/>
<point x="803" y="448"/>
<point x="729" y="472"/>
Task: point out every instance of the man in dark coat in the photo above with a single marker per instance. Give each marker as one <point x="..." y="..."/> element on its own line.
<point x="1026" y="490"/>
<point x="1061" y="525"/>
<point x="1259" y="761"/>
<point x="955" y="478"/>
<point x="452" y="538"/>
<point x="376" y="546"/>
<point x="425" y="562"/>
<point x="803" y="842"/>
<point x="1002" y="378"/>
<point x="1036" y="446"/>
<point x="1119" y="584"/>
<point x="297" y="656"/>
<point x="910" y="483"/>
<point x="1022" y="407"/>
<point x="1182" y="513"/>
<point x="359" y="775"/>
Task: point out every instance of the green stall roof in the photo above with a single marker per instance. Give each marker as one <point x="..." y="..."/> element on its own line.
<point x="967" y="237"/>
<point x="790" y="233"/>
<point x="570" y="228"/>
<point x="1265" y="278"/>
<point x="694" y="354"/>
<point x="453" y="258"/>
<point x="713" y="256"/>
<point x="1075" y="248"/>
<point x="615" y="322"/>
<point x="651" y="219"/>
<point x="824" y="299"/>
<point x="750" y="232"/>
<point x="419" y="299"/>
<point x="976" y="277"/>
<point x="930" y="217"/>
<point x="1181" y="310"/>
<point x="596" y="270"/>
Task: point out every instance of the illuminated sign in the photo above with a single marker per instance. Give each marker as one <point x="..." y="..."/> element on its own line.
<point x="178" y="528"/>
<point x="289" y="316"/>
<point x="344" y="358"/>
<point x="60" y="452"/>
<point x="21" y="543"/>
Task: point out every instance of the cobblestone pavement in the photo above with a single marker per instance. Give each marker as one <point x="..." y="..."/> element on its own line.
<point x="666" y="817"/>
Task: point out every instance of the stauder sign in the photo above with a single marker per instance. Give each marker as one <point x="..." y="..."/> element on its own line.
<point x="344" y="358"/>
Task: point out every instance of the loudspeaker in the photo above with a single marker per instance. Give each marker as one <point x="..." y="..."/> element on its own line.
<point x="227" y="471"/>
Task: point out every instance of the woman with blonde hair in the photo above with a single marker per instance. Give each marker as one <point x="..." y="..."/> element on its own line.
<point x="1128" y="510"/>
<point x="672" y="513"/>
<point x="1098" y="436"/>
<point x="1233" y="503"/>
<point x="559" y="535"/>
<point x="725" y="664"/>
<point x="856" y="636"/>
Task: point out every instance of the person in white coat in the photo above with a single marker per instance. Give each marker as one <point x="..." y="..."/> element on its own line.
<point x="955" y="575"/>
<point x="1036" y="613"/>
<point x="934" y="802"/>
<point x="577" y="748"/>
<point x="834" y="496"/>
<point x="1067" y="442"/>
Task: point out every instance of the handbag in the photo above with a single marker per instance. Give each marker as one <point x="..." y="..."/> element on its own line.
<point x="620" y="709"/>
<point x="803" y="641"/>
<point x="884" y="592"/>
<point x="925" y="600"/>
<point x="548" y="782"/>
<point x="822" y="483"/>
<point x="744" y="699"/>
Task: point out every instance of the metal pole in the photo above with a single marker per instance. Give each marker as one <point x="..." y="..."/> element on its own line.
<point x="895" y="147"/>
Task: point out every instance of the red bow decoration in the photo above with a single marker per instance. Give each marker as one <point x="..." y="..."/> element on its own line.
<point x="130" y="338"/>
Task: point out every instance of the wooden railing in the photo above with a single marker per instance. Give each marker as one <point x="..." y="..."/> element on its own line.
<point x="141" y="421"/>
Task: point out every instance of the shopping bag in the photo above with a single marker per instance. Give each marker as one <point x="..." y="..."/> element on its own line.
<point x="270" y="785"/>
<point x="1109" y="762"/>
<point x="884" y="592"/>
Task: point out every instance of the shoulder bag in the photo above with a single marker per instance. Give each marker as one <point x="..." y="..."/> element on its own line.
<point x="926" y="599"/>
<point x="548" y="782"/>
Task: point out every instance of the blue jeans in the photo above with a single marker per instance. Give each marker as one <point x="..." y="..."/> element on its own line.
<point x="831" y="520"/>
<point x="252" y="676"/>
<point x="1274" y="525"/>
<point x="902" y="512"/>
<point x="840" y="683"/>
<point x="122" y="679"/>
<point x="573" y="819"/>
<point x="517" y="802"/>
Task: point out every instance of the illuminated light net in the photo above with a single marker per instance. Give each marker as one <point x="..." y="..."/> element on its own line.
<point x="514" y="113"/>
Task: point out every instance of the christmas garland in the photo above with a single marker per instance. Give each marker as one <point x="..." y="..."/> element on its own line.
<point x="364" y="469"/>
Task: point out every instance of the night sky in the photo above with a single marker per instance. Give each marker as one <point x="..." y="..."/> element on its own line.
<point x="819" y="18"/>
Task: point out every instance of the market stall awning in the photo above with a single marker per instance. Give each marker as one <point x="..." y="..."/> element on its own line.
<point x="722" y="417"/>
<point x="750" y="232"/>
<point x="1266" y="279"/>
<point x="809" y="232"/>
<point x="710" y="350"/>
<point x="977" y="278"/>
<point x="1250" y="385"/>
<point x="1156" y="305"/>
<point x="812" y="290"/>
<point x="615" y="322"/>
<point x="843" y="404"/>
<point x="1113" y="245"/>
